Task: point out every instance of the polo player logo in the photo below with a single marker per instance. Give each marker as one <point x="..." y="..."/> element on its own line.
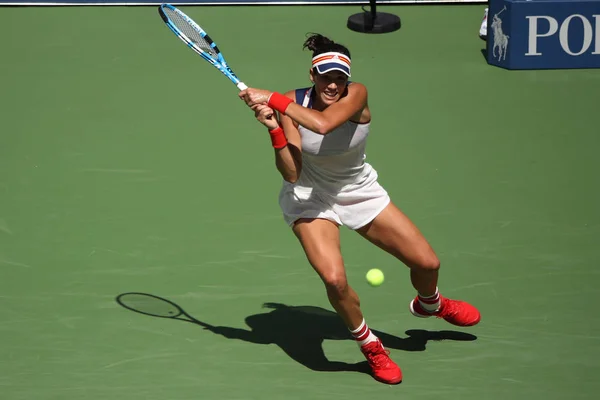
<point x="500" y="39"/>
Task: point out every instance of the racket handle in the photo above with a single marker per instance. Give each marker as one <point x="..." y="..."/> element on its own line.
<point x="242" y="86"/>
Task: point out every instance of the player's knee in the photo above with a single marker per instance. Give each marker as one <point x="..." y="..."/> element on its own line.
<point x="335" y="282"/>
<point x="428" y="263"/>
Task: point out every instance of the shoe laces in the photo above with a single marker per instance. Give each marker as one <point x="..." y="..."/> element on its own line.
<point x="377" y="355"/>
<point x="449" y="308"/>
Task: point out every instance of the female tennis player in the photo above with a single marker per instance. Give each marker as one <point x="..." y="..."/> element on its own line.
<point x="319" y="140"/>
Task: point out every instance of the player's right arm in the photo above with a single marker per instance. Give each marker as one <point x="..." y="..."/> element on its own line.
<point x="288" y="159"/>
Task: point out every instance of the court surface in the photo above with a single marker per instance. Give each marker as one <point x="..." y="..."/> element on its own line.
<point x="127" y="164"/>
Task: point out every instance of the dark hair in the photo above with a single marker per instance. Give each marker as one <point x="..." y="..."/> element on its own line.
<point x="319" y="44"/>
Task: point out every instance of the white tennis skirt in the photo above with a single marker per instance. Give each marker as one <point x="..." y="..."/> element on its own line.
<point x="353" y="205"/>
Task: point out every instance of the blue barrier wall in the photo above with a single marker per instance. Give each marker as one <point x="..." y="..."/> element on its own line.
<point x="544" y="34"/>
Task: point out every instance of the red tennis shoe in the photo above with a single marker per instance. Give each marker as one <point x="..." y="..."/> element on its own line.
<point x="384" y="369"/>
<point x="457" y="312"/>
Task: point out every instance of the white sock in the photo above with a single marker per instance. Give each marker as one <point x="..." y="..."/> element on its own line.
<point x="430" y="303"/>
<point x="363" y="334"/>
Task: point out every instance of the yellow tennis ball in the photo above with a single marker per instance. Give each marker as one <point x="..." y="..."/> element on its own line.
<point x="375" y="277"/>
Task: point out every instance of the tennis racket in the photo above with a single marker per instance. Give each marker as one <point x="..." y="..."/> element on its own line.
<point x="196" y="38"/>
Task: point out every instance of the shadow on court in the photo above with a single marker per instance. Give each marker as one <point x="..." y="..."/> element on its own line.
<point x="298" y="330"/>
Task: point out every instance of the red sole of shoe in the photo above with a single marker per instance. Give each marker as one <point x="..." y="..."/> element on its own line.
<point x="389" y="382"/>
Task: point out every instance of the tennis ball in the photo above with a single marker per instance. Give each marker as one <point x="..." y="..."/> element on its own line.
<point x="375" y="277"/>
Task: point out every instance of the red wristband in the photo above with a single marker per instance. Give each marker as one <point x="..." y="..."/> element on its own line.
<point x="279" y="102"/>
<point x="278" y="139"/>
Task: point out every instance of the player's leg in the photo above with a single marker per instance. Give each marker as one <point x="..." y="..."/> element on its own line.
<point x="395" y="233"/>
<point x="320" y="239"/>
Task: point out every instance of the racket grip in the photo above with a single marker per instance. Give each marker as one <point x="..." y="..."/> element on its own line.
<point x="242" y="86"/>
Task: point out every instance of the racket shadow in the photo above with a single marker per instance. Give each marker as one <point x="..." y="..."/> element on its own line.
<point x="298" y="330"/>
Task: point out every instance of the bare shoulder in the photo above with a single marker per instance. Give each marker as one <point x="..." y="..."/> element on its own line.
<point x="357" y="88"/>
<point x="291" y="94"/>
<point x="284" y="118"/>
<point x="357" y="94"/>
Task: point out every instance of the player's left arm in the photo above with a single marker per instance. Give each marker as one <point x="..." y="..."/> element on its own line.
<point x="333" y="116"/>
<point x="321" y="122"/>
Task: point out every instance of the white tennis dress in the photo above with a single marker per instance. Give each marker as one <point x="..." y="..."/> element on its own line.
<point x="335" y="182"/>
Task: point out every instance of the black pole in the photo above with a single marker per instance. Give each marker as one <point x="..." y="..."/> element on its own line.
<point x="373" y="21"/>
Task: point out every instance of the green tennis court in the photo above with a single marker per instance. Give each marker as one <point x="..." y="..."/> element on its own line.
<point x="127" y="164"/>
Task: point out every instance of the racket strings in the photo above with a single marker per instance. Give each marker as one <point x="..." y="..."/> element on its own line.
<point x="189" y="31"/>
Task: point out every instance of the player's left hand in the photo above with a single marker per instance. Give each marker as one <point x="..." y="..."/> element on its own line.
<point x="264" y="115"/>
<point x="254" y="96"/>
